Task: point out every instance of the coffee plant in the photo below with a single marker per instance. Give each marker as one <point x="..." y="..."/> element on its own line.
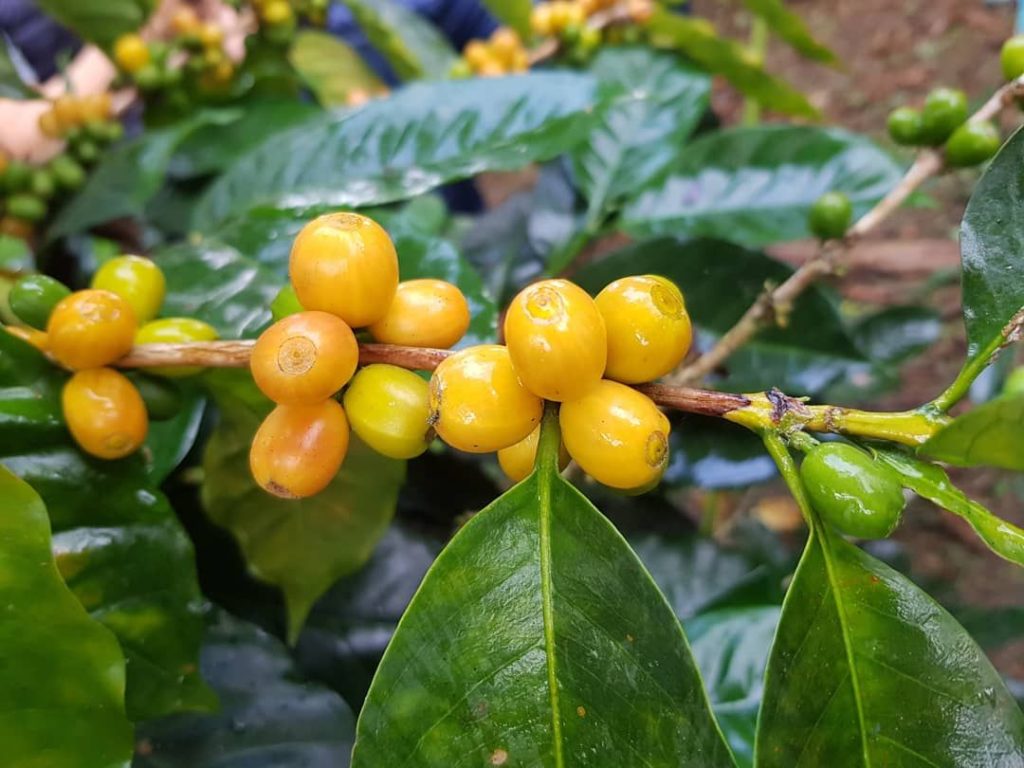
<point x="203" y="448"/>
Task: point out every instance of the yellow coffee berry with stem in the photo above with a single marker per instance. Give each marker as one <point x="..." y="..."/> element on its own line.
<point x="556" y="338"/>
<point x="175" y="330"/>
<point x="90" y="328"/>
<point x="298" y="449"/>
<point x="211" y="35"/>
<point x="304" y="358"/>
<point x="477" y="53"/>
<point x="96" y="108"/>
<point x="517" y="460"/>
<point x="49" y="126"/>
<point x="135" y="279"/>
<point x="477" y="402"/>
<point x="505" y="44"/>
<point x="424" y="313"/>
<point x="37" y="339"/>
<point x="345" y="264"/>
<point x="389" y="408"/>
<point x="131" y="53"/>
<point x="105" y="413"/>
<point x="617" y="435"/>
<point x="649" y="331"/>
<point x="68" y="111"/>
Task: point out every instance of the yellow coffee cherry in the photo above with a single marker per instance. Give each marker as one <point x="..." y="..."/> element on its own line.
<point x="49" y="126"/>
<point x="505" y="45"/>
<point x="175" y="330"/>
<point x="345" y="264"/>
<point x="135" y="279"/>
<point x="424" y="313"/>
<point x="131" y="53"/>
<point x="478" y="404"/>
<point x="96" y="108"/>
<point x="104" y="413"/>
<point x="211" y="35"/>
<point x="68" y="112"/>
<point x="389" y="408"/>
<point x="648" y="328"/>
<point x="556" y="338"/>
<point x="90" y="328"/>
<point x="298" y="449"/>
<point x="477" y="53"/>
<point x="541" y="20"/>
<point x="517" y="461"/>
<point x="617" y="436"/>
<point x="184" y="21"/>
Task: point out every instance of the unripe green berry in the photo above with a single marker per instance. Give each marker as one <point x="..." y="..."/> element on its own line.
<point x="944" y="111"/>
<point x="1012" y="57"/>
<point x="830" y="216"/>
<point x="972" y="143"/>
<point x="905" y="126"/>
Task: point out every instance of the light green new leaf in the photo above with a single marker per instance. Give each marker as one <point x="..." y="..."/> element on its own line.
<point x="62" y="679"/>
<point x="697" y="39"/>
<point x="537" y="638"/>
<point x="512" y="13"/>
<point x="302" y="546"/>
<point x="99" y="21"/>
<point x="331" y="68"/>
<point x="932" y="482"/>
<point x="756" y="185"/>
<point x="791" y="28"/>
<point x="420" y="137"/>
<point x="412" y="45"/>
<point x="868" y="671"/>
<point x="991" y="434"/>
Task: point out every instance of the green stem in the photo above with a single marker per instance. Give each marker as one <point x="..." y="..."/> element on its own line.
<point x="957" y="391"/>
<point x="788" y="469"/>
<point x="757" y="46"/>
<point x="550" y="440"/>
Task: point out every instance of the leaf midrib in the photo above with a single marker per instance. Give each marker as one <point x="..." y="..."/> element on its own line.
<point x="544" y="477"/>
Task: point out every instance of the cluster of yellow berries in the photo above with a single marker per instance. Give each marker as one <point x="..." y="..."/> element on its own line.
<point x="502" y="54"/>
<point x="279" y="18"/>
<point x="560" y="345"/>
<point x="88" y="330"/>
<point x="566" y="18"/>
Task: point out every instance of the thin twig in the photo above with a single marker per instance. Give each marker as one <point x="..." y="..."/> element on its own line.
<point x="773" y="305"/>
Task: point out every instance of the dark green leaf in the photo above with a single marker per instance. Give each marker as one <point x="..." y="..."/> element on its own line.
<point x="867" y="670"/>
<point x="117" y="542"/>
<point x="62" y="678"/>
<point x="417" y="139"/>
<point x="755" y="185"/>
<point x="268" y="717"/>
<point x="512" y="13"/>
<point x="11" y="84"/>
<point x="168" y="442"/>
<point x="302" y="546"/>
<point x="697" y="39"/>
<point x="99" y="21"/>
<point x="897" y="333"/>
<point x="990" y="434"/>
<point x="642" y="133"/>
<point x="711" y="453"/>
<point x="991" y="244"/>
<point x="537" y="638"/>
<point x="412" y="45"/>
<point x="331" y="68"/>
<point x="791" y="28"/>
<point x="720" y="281"/>
<point x="932" y="482"/>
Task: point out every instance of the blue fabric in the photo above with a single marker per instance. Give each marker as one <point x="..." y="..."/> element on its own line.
<point x="38" y="37"/>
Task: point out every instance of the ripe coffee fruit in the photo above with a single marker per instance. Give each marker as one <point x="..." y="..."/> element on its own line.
<point x="477" y="402"/>
<point x="852" y="491"/>
<point x="424" y="313"/>
<point x="304" y="358"/>
<point x="648" y="328"/>
<point x="298" y="449"/>
<point x="90" y="328"/>
<point x="104" y="413"/>
<point x="617" y="435"/>
<point x="556" y="338"/>
<point x="517" y="461"/>
<point x="345" y="264"/>
<point x="389" y="408"/>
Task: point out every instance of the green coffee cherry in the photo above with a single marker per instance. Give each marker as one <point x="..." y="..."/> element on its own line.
<point x="33" y="297"/>
<point x="1012" y="57"/>
<point x="149" y="78"/>
<point x="1014" y="384"/>
<point x="830" y="216"/>
<point x="460" y="70"/>
<point x="86" y="151"/>
<point x="26" y="206"/>
<point x="66" y="172"/>
<point x="972" y="143"/>
<point x="851" y="491"/>
<point x="42" y="184"/>
<point x="17" y="176"/>
<point x="944" y="111"/>
<point x="161" y="396"/>
<point x="285" y="303"/>
<point x="905" y="126"/>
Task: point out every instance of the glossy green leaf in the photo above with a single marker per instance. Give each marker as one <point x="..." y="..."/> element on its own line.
<point x="302" y="546"/>
<point x="512" y="13"/>
<point x="755" y="185"/>
<point x="269" y="717"/>
<point x="417" y="139"/>
<point x="99" y="21"/>
<point x="990" y="434"/>
<point x="331" y="68"/>
<point x="991" y="248"/>
<point x="11" y="84"/>
<point x="897" y="333"/>
<point x="537" y="638"/>
<point x="720" y="281"/>
<point x="168" y="442"/>
<point x="867" y="670"/>
<point x="698" y="41"/>
<point x="790" y="27"/>
<point x="63" y="676"/>
<point x="932" y="482"/>
<point x="712" y="453"/>
<point x="117" y="541"/>
<point x="642" y="133"/>
<point x="412" y="45"/>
